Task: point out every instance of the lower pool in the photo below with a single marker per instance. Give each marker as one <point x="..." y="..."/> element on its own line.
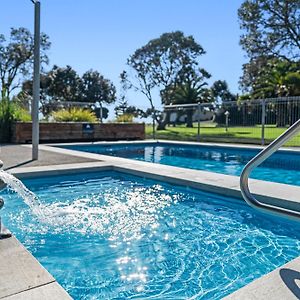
<point x="283" y="166"/>
<point x="113" y="236"/>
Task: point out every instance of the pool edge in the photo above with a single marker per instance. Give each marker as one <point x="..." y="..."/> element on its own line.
<point x="227" y="185"/>
<point x="278" y="284"/>
<point x="22" y="275"/>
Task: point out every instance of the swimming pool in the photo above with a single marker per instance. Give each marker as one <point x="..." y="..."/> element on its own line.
<point x="113" y="236"/>
<point x="282" y="167"/>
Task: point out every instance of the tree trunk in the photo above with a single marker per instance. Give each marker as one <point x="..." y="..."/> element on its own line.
<point x="189" y="118"/>
<point x="163" y="122"/>
<point x="167" y="117"/>
<point x="161" y="125"/>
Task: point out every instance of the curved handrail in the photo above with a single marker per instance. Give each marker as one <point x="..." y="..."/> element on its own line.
<point x="256" y="161"/>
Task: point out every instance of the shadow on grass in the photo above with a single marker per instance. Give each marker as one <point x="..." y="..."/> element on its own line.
<point x="243" y="132"/>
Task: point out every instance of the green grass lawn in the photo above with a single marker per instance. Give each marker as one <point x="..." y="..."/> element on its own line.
<point x="210" y="133"/>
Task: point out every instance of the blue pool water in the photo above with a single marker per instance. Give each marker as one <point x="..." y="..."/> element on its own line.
<point x="283" y="167"/>
<point x="113" y="236"/>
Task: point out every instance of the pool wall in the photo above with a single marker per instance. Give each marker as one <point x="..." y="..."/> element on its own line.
<point x="282" y="194"/>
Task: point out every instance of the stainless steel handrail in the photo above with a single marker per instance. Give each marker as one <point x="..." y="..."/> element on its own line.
<point x="256" y="161"/>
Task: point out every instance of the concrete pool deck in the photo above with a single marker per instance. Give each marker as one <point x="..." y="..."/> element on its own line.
<point x="14" y="156"/>
<point x="22" y="276"/>
<point x="272" y="285"/>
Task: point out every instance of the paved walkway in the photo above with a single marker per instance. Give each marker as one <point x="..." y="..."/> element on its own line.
<point x="14" y="156"/>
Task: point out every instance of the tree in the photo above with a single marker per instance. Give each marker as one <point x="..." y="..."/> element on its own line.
<point x="282" y="79"/>
<point x="220" y="92"/>
<point x="272" y="28"/>
<point x="96" y="88"/>
<point x="191" y="89"/>
<point x="121" y="108"/>
<point x="271" y="32"/>
<point x="272" y="78"/>
<point x="60" y="84"/>
<point x="16" y="57"/>
<point x="252" y="72"/>
<point x="64" y="84"/>
<point x="160" y="64"/>
<point x="125" y="109"/>
<point x="27" y="92"/>
<point x="101" y="113"/>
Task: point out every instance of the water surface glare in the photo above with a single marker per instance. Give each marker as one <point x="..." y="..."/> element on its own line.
<point x="114" y="236"/>
<point x="283" y="167"/>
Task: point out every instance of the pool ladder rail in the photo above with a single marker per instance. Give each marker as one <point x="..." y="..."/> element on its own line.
<point x="256" y="161"/>
<point x="4" y="233"/>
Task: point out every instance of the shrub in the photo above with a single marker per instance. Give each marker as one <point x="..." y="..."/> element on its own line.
<point x="21" y="114"/>
<point x="6" y="118"/>
<point x="74" y="115"/>
<point x="125" y="118"/>
<point x="9" y="112"/>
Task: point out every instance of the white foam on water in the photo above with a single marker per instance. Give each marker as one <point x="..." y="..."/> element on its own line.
<point x="117" y="215"/>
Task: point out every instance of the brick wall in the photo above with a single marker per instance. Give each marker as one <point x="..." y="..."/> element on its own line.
<point x="72" y="132"/>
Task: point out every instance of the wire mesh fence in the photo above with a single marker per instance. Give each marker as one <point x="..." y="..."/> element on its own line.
<point x="254" y="121"/>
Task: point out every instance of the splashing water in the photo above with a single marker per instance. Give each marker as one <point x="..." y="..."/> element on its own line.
<point x="29" y="197"/>
<point x="122" y="217"/>
<point x="204" y="247"/>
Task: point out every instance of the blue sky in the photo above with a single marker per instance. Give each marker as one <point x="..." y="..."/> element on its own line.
<point x="102" y="34"/>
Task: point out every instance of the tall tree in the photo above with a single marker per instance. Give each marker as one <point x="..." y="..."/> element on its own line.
<point x="191" y="89"/>
<point x="161" y="63"/>
<point x="96" y="88"/>
<point x="27" y="92"/>
<point x="271" y="33"/>
<point x="280" y="80"/>
<point x="272" y="78"/>
<point x="58" y="85"/>
<point x="272" y="28"/>
<point x="16" y="57"/>
<point x="220" y="92"/>
<point x="252" y="72"/>
<point x="64" y="84"/>
<point x="125" y="109"/>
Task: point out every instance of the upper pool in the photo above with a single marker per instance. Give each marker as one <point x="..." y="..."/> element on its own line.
<point x="283" y="167"/>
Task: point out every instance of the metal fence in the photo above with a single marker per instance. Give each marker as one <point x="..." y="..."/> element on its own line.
<point x="252" y="121"/>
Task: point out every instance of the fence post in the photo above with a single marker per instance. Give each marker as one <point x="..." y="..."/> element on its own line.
<point x="153" y="123"/>
<point x="101" y="113"/>
<point x="199" y="111"/>
<point x="263" y="120"/>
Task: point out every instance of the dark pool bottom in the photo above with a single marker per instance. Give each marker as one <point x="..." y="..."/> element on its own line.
<point x="113" y="236"/>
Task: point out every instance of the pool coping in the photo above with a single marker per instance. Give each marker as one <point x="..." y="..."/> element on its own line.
<point x="282" y="194"/>
<point x="23" y="277"/>
<point x="187" y="143"/>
